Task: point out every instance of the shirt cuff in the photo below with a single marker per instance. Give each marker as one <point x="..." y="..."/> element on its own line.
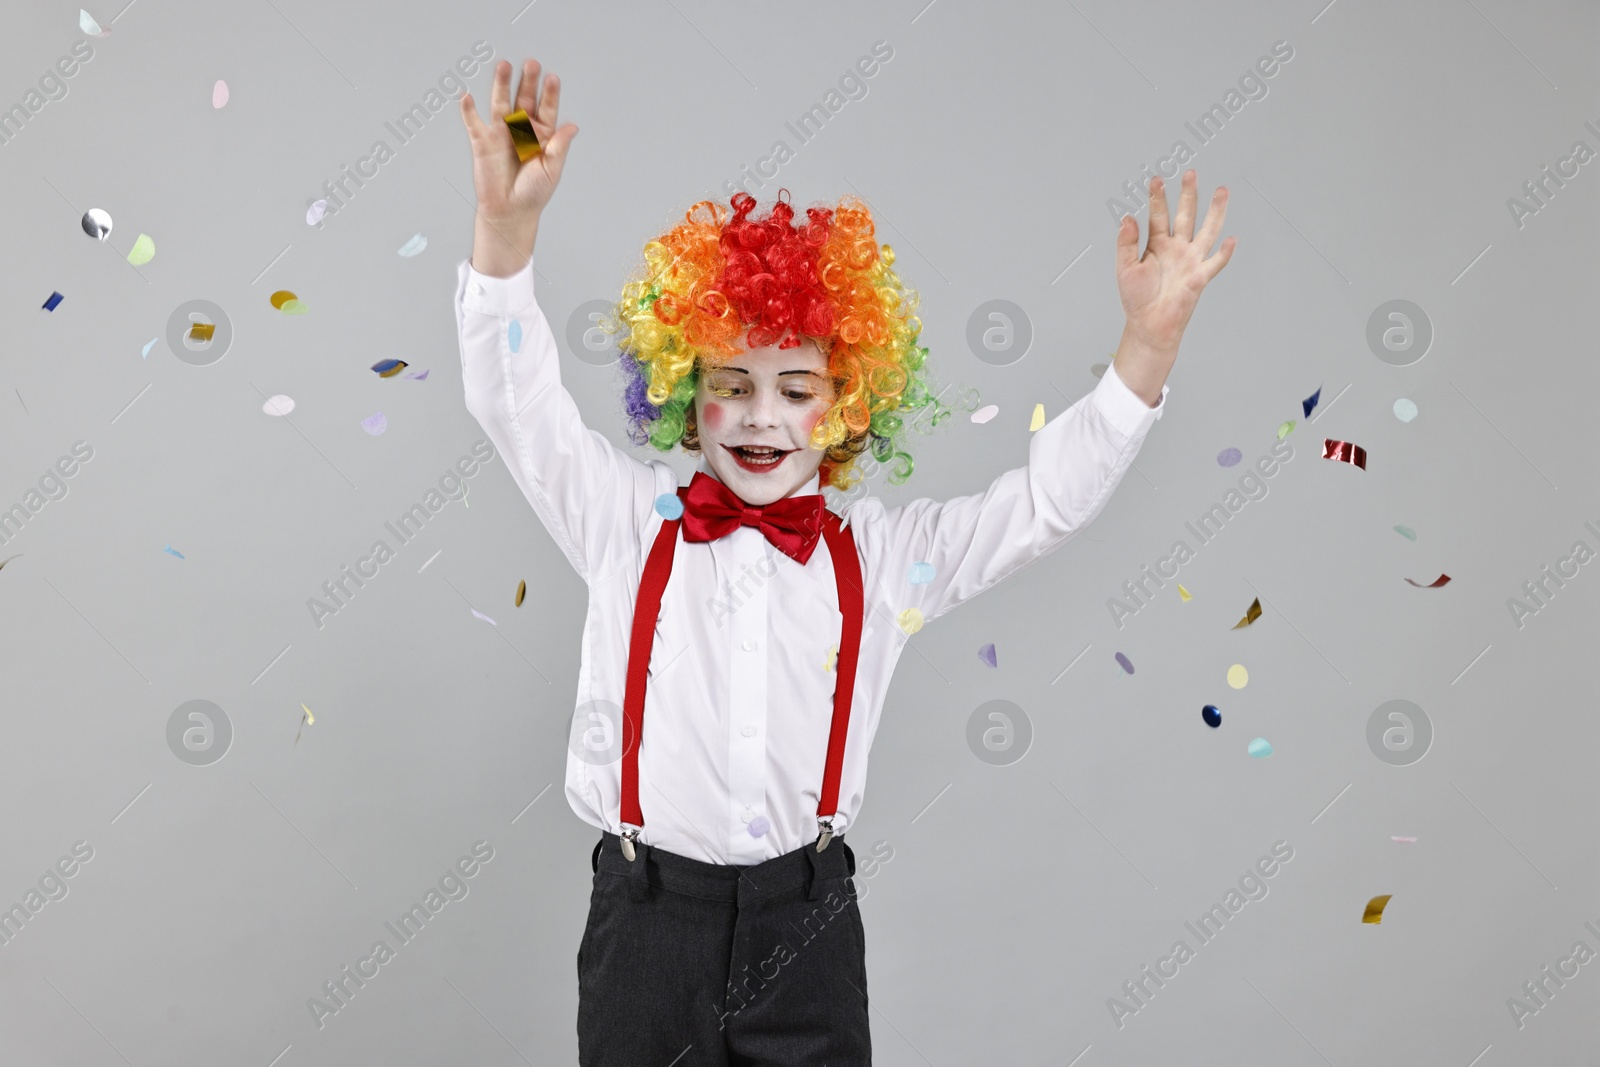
<point x="496" y="296"/>
<point x="1124" y="408"/>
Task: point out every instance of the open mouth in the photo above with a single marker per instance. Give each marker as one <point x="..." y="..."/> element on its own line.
<point x="756" y="459"/>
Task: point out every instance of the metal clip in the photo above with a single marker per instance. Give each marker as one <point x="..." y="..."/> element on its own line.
<point x="825" y="825"/>
<point x="629" y="833"/>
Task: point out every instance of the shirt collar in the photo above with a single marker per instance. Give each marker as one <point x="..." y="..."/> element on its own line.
<point x="812" y="486"/>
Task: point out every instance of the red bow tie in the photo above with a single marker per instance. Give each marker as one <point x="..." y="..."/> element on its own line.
<point x="712" y="510"/>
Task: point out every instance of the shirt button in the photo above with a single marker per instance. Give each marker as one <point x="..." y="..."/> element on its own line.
<point x="749" y="731"/>
<point x="749" y="813"/>
<point x="749" y="646"/>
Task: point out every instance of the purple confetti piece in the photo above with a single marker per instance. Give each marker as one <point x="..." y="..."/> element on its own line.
<point x="1228" y="457"/>
<point x="1127" y="664"/>
<point x="986" y="653"/>
<point x="375" y="424"/>
<point x="484" y="617"/>
<point x="759" y="826"/>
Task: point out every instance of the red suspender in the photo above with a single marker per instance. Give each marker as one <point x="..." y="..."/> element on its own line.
<point x="647" y="610"/>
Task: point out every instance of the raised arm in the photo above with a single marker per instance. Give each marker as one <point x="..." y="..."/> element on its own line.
<point x="591" y="496"/>
<point x="1074" y="462"/>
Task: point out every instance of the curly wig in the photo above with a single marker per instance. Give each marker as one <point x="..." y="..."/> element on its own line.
<point x="713" y="277"/>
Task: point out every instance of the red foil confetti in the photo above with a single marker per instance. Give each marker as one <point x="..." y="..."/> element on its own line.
<point x="1344" y="452"/>
<point x="1435" y="584"/>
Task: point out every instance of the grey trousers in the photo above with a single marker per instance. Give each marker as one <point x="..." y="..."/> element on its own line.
<point x="692" y="964"/>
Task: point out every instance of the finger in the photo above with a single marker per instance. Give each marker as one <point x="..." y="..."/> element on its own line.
<point x="1183" y="225"/>
<point x="500" y="92"/>
<point x="1214" y="216"/>
<point x="469" y="117"/>
<point x="550" y="102"/>
<point x="1220" y="260"/>
<point x="1158" y="212"/>
<point x="527" y="89"/>
<point x="1127" y="243"/>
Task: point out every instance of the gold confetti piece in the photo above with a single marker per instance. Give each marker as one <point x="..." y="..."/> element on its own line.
<point x="201" y="331"/>
<point x="522" y="591"/>
<point x="522" y="135"/>
<point x="1184" y="593"/>
<point x="910" y="620"/>
<point x="143" y="250"/>
<point x="833" y="652"/>
<point x="280" y="298"/>
<point x="1251" y="615"/>
<point x="304" y="719"/>
<point x="1375" y="906"/>
<point x="1038" y="418"/>
<point x="1238" y="677"/>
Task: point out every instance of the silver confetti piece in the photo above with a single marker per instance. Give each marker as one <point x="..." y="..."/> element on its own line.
<point x="97" y="224"/>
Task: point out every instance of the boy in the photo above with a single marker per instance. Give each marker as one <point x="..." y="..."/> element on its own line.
<point x="726" y="929"/>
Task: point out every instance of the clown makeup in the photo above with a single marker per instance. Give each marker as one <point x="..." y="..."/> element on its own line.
<point x="762" y="401"/>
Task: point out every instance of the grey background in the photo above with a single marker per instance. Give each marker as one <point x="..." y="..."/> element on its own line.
<point x="1020" y="897"/>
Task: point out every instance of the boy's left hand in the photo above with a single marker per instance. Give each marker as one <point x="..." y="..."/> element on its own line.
<point x="1159" y="291"/>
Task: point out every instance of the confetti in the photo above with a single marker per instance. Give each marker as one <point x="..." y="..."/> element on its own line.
<point x="144" y="353"/>
<point x="833" y="653"/>
<point x="759" y="825"/>
<point x="53" y="301"/>
<point x="1260" y="748"/>
<point x="1229" y="457"/>
<point x="1405" y="410"/>
<point x="219" y="93"/>
<point x="1375" y="906"/>
<point x="174" y="552"/>
<point x="1099" y="369"/>
<point x="1406" y="532"/>
<point x="1285" y="429"/>
<point x="1125" y="663"/>
<point x="1406" y="840"/>
<point x="1184" y="593"/>
<point x="1344" y="452"/>
<point x="1212" y="717"/>
<point x="143" y="250"/>
<point x="375" y="424"/>
<point x="986" y="653"/>
<point x="669" y="506"/>
<point x="909" y="620"/>
<point x="1251" y="614"/>
<point x="278" y="405"/>
<point x="484" y="617"/>
<point x="294" y="307"/>
<point x="1238" y="677"/>
<point x="418" y="377"/>
<point x="388" y="368"/>
<point x="1310" y="402"/>
<point x="305" y="719"/>
<point x="315" y="212"/>
<point x="281" y="297"/>
<point x="201" y="331"/>
<point x="1435" y="584"/>
<point x="514" y="335"/>
<point x="413" y="246"/>
<point x="1037" y="422"/>
<point x="522" y="135"/>
<point x="985" y="413"/>
<point x="921" y="573"/>
<point x="88" y="25"/>
<point x="8" y="559"/>
<point x="522" y="591"/>
<point x="97" y="224"/>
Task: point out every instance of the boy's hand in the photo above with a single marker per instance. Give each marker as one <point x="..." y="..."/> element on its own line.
<point x="1159" y="291"/>
<point x="512" y="194"/>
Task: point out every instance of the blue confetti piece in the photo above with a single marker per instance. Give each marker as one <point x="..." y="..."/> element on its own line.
<point x="986" y="653"/>
<point x="1260" y="748"/>
<point x="1228" y="457"/>
<point x="50" y="305"/>
<point x="1126" y="663"/>
<point x="1406" y="532"/>
<point x="514" y="335"/>
<point x="1405" y="409"/>
<point x="384" y="366"/>
<point x="172" y="551"/>
<point x="1306" y="405"/>
<point x="144" y="353"/>
<point x="413" y="246"/>
<point x="669" y="506"/>
<point x="1211" y="715"/>
<point x="759" y="826"/>
<point x="921" y="574"/>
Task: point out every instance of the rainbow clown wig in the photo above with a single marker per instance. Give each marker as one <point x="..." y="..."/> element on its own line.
<point x="712" y="278"/>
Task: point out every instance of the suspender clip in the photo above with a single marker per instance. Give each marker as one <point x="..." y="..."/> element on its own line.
<point x="629" y="833"/>
<point x="825" y="825"/>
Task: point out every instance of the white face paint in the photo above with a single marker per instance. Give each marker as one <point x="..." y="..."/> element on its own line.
<point x="764" y="396"/>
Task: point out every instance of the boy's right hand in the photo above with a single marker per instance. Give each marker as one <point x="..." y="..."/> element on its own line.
<point x="512" y="194"/>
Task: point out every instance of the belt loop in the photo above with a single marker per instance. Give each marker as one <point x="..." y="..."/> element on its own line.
<point x="813" y="883"/>
<point x="638" y="880"/>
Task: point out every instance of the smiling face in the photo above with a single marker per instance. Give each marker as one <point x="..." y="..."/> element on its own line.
<point x="764" y="397"/>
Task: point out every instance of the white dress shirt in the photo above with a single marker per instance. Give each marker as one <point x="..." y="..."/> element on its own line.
<point x="741" y="681"/>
